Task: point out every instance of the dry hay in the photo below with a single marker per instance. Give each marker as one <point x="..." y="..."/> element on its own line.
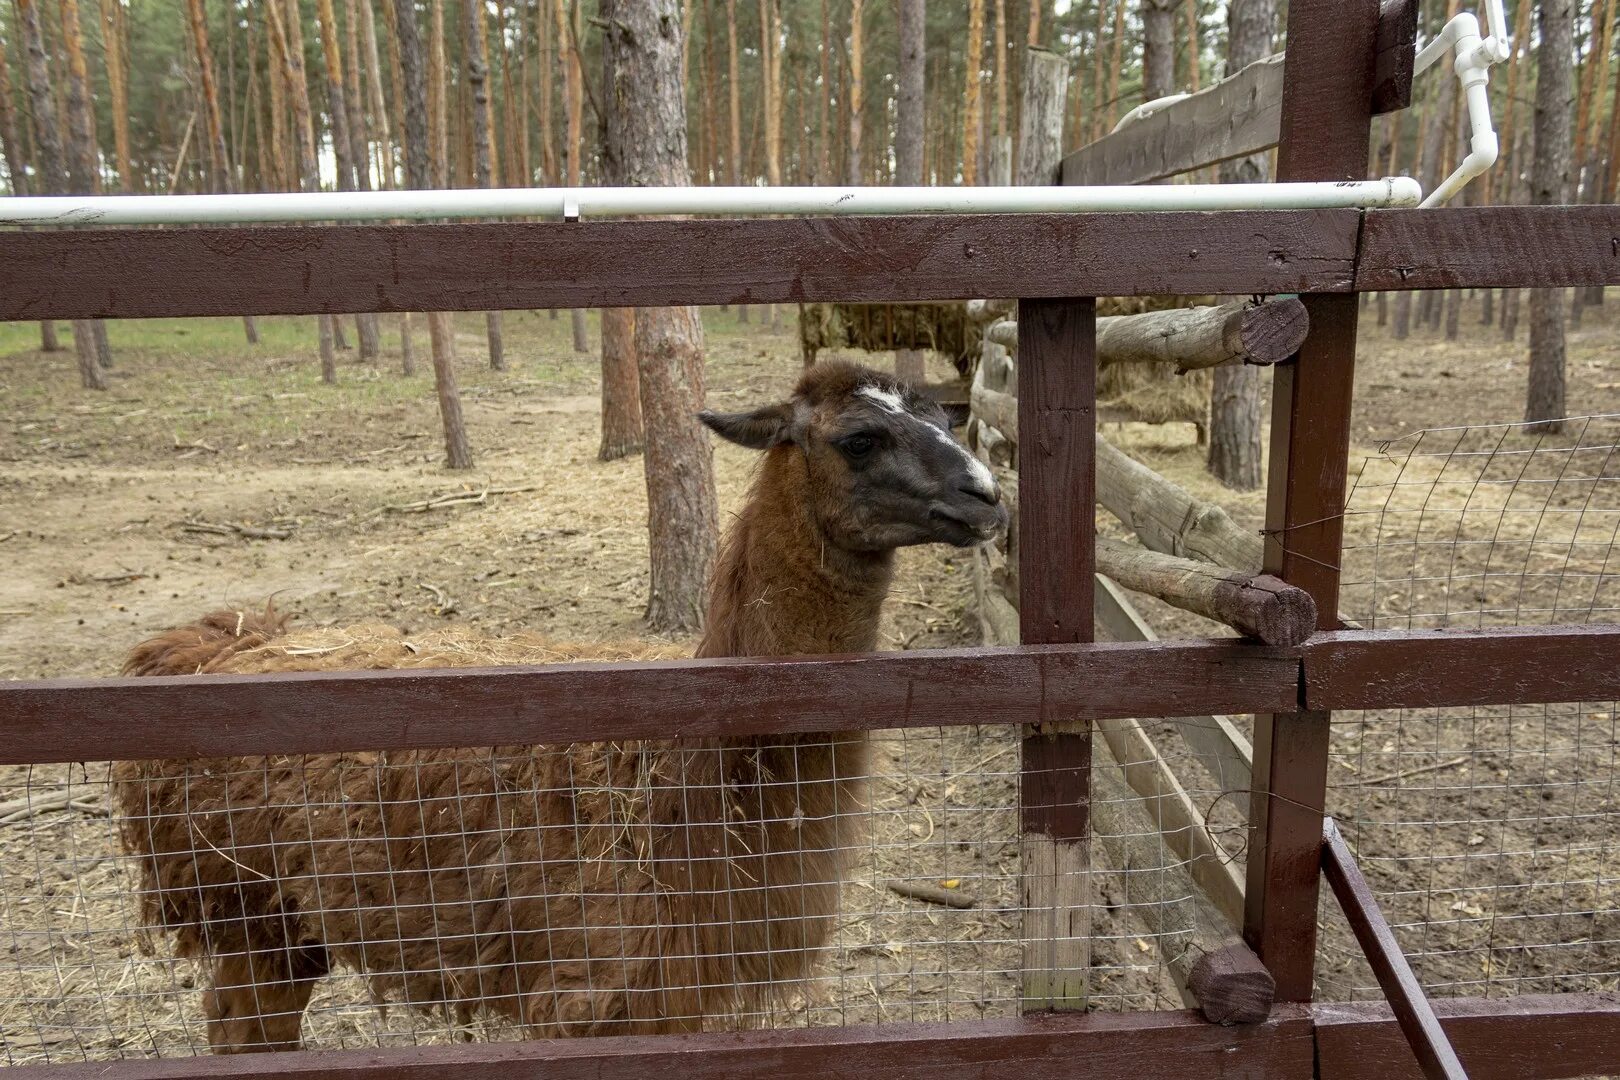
<point x="943" y="328"/>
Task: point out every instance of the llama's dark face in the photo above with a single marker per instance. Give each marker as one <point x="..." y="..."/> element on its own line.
<point x="884" y="470"/>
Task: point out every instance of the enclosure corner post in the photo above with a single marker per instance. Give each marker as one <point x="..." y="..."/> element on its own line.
<point x="1057" y="404"/>
<point x="1326" y="128"/>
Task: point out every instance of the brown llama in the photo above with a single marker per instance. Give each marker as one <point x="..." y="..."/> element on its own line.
<point x="594" y="888"/>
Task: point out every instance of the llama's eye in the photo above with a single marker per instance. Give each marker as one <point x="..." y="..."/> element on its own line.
<point x="858" y="446"/>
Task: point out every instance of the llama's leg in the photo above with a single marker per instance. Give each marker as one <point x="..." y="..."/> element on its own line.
<point x="257" y="1000"/>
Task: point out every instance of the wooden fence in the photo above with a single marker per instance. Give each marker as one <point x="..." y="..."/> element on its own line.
<point x="1339" y="59"/>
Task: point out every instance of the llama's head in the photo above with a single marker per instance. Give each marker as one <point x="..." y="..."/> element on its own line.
<point x="882" y="468"/>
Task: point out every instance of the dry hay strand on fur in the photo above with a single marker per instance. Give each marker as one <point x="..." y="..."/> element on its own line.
<point x="943" y="328"/>
<point x="628" y="887"/>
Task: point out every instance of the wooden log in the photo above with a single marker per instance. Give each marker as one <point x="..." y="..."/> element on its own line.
<point x="1232" y="986"/>
<point x="989" y="310"/>
<point x="1187" y="932"/>
<point x="1257" y="605"/>
<point x="1194" y="338"/>
<point x="1216" y="741"/>
<point x="1168" y="518"/>
<point x="1040" y="150"/>
<point x="1236" y="117"/>
<point x="995" y="408"/>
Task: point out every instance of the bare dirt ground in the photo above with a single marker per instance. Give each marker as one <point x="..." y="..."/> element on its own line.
<point x="111" y="508"/>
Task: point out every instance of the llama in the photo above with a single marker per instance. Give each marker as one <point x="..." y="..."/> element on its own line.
<point x="604" y="888"/>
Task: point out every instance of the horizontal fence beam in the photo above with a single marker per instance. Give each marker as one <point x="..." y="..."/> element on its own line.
<point x="1390" y="669"/>
<point x="290" y="270"/>
<point x="1529" y="1037"/>
<point x="1143" y="1046"/>
<point x="330" y="269"/>
<point x="1238" y="116"/>
<point x="1490" y="246"/>
<point x="323" y="712"/>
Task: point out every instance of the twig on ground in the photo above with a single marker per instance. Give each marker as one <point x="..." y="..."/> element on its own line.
<point x="456" y="498"/>
<point x="246" y="532"/>
<point x="39" y="802"/>
<point x="444" y="605"/>
<point x="1404" y="773"/>
<point x="934" y="894"/>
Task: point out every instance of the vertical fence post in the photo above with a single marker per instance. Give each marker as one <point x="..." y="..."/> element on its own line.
<point x="1326" y="126"/>
<point x="1057" y="378"/>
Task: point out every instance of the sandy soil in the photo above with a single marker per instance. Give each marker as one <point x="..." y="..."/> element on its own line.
<point x="96" y="494"/>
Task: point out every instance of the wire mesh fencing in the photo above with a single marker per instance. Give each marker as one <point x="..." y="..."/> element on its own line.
<point x="358" y="900"/>
<point x="1487" y="832"/>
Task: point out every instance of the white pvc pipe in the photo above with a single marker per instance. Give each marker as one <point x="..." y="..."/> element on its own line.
<point x="569" y="203"/>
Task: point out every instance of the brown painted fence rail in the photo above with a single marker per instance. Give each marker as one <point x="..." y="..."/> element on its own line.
<point x="289" y="270"/>
<point x="319" y="712"/>
<point x="1523" y="1038"/>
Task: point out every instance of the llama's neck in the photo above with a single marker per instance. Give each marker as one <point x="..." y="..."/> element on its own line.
<point x="780" y="588"/>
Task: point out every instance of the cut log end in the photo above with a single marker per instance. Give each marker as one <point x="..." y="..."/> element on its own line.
<point x="1273" y="331"/>
<point x="1272" y="610"/>
<point x="1232" y="986"/>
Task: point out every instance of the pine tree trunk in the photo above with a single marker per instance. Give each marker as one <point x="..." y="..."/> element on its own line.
<point x="573" y="102"/>
<point x="13" y="150"/>
<point x="84" y="175"/>
<point x="407" y="347"/>
<point x="1159" y="49"/>
<point x="48" y="341"/>
<point x="857" y="86"/>
<point x="1236" y="451"/>
<point x="1000" y="68"/>
<point x="365" y="323"/>
<point x="478" y="79"/>
<point x="970" y="95"/>
<point x="458" y="454"/>
<point x="1114" y="64"/>
<point x="380" y="121"/>
<point x="621" y="395"/>
<point x="910" y="365"/>
<point x="645" y="139"/>
<point x="1549" y="183"/>
<point x="824" y="168"/>
<point x="118" y="87"/>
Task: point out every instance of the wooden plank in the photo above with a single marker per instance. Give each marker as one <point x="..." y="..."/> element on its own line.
<point x="1214" y="740"/>
<point x="1143" y="1046"/>
<point x="1396" y="56"/>
<point x="1383" y="669"/>
<point x="320" y="712"/>
<point x="1326" y="127"/>
<point x="1401" y="987"/>
<point x="1235" y="117"/>
<point x="1057" y="395"/>
<point x="126" y="274"/>
<point x="1469" y="247"/>
<point x="1529" y="1037"/>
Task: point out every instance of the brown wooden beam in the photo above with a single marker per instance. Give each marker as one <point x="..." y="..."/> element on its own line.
<point x="1238" y="116"/>
<point x="1057" y="396"/>
<point x="1326" y="126"/>
<point x="318" y="712"/>
<point x="1401" y="988"/>
<point x="489" y="266"/>
<point x="1396" y="56"/>
<point x="1386" y="669"/>
<point x="1142" y="1046"/>
<point x="1481" y="247"/>
<point x="1528" y="1037"/>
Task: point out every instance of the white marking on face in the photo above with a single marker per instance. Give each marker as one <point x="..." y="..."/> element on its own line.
<point x="889" y="401"/>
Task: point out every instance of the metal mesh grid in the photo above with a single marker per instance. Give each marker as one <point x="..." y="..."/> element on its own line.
<point x="88" y="974"/>
<point x="1486" y="832"/>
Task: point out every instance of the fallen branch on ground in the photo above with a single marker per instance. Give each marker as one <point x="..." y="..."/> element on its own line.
<point x="247" y="532"/>
<point x="934" y="894"/>
<point x="458" y="498"/>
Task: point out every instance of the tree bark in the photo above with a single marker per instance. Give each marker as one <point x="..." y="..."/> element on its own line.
<point x="478" y="79"/>
<point x="90" y="336"/>
<point x="365" y="324"/>
<point x="970" y="95"/>
<point x="458" y="454"/>
<point x="1000" y="46"/>
<point x="1235" y="448"/>
<point x="1549" y="182"/>
<point x="574" y="107"/>
<point x="9" y="144"/>
<point x="118" y="88"/>
<point x="622" y="433"/>
<point x="646" y="145"/>
<point x="857" y="82"/>
<point x="910" y="365"/>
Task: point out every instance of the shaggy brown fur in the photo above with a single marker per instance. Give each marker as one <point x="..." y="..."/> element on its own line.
<point x="631" y="887"/>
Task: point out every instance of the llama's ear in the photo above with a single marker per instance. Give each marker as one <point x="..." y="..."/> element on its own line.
<point x="757" y="430"/>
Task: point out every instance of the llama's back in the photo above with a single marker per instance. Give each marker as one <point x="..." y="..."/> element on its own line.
<point x="584" y="889"/>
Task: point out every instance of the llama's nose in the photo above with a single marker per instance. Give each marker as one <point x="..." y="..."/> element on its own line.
<point x="990" y="493"/>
